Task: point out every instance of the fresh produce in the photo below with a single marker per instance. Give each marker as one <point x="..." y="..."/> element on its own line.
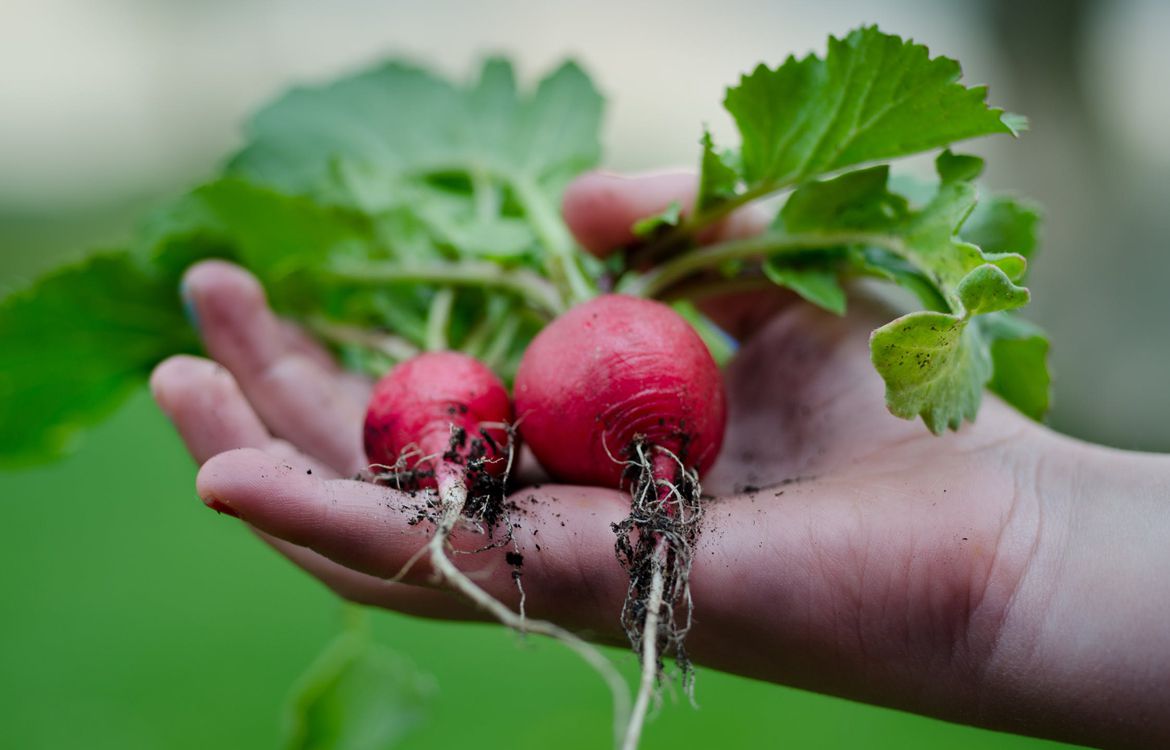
<point x="621" y="391"/>
<point x="611" y="372"/>
<point x="392" y="212"/>
<point x="441" y="420"/>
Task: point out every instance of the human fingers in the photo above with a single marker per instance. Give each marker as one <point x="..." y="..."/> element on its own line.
<point x="299" y="397"/>
<point x="211" y="414"/>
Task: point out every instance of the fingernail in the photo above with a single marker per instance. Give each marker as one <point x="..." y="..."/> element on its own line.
<point x="189" y="305"/>
<point x="220" y="507"/>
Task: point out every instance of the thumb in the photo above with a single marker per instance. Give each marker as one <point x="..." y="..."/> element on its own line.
<point x="601" y="209"/>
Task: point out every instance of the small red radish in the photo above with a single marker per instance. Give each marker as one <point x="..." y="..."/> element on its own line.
<point x="445" y="411"/>
<point x="440" y="420"/>
<point x="621" y="391"/>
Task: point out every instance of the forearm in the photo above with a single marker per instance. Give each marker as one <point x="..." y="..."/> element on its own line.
<point x="1084" y="651"/>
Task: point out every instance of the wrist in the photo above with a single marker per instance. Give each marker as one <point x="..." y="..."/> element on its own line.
<point x="1083" y="653"/>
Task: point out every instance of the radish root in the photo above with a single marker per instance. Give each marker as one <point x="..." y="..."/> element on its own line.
<point x="651" y="660"/>
<point x="454" y="502"/>
<point x="655" y="544"/>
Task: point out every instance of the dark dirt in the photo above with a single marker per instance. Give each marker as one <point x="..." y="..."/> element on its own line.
<point x="659" y="517"/>
<point x="487" y="502"/>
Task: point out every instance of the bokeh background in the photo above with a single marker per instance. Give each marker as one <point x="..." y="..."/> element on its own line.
<point x="130" y="617"/>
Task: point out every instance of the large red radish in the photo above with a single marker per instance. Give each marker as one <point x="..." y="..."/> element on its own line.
<point x="621" y="391"/>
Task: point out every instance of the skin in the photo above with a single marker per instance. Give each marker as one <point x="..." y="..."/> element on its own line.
<point x="1003" y="576"/>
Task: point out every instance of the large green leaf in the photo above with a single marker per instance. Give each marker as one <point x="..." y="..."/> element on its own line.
<point x="75" y="343"/>
<point x="935" y="363"/>
<point x="397" y="123"/>
<point x="270" y="233"/>
<point x="874" y="96"/>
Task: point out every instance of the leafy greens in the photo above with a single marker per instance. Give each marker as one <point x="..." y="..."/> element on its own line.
<point x="391" y="211"/>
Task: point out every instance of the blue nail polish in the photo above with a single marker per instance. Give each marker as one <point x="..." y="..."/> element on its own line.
<point x="189" y="305"/>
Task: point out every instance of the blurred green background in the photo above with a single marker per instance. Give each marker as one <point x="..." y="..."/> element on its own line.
<point x="133" y="618"/>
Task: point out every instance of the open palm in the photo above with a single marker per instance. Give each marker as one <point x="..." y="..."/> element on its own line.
<point x="844" y="550"/>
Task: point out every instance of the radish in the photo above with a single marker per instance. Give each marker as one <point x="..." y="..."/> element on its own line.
<point x="621" y="391"/>
<point x="450" y="413"/>
<point x="441" y="420"/>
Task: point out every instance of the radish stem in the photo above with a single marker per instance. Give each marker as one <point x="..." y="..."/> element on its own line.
<point x="538" y="293"/>
<point x="657" y="281"/>
<point x="561" y="256"/>
<point x="438" y="318"/>
<point x="394" y="347"/>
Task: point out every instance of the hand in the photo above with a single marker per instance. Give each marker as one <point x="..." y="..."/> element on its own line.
<point x="1002" y="576"/>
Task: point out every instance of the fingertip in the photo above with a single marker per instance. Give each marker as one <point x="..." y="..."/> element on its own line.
<point x="169" y="377"/>
<point x="237" y="326"/>
<point x="215" y="272"/>
<point x="232" y="477"/>
<point x="584" y="202"/>
<point x="284" y="496"/>
<point x="217" y="292"/>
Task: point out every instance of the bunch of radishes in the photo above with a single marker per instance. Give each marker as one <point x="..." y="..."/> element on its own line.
<point x="619" y="392"/>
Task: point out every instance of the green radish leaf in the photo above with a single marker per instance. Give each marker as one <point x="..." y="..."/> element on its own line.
<point x="358" y="695"/>
<point x="855" y="200"/>
<point x="719" y="343"/>
<point x="399" y="124"/>
<point x="664" y="219"/>
<point x="718" y="175"/>
<point x="935" y="366"/>
<point x="1019" y="353"/>
<point x="391" y="119"/>
<point x="76" y="343"/>
<point x="999" y="224"/>
<point x="481" y="167"/>
<point x="1004" y="224"/>
<point x="271" y="233"/>
<point x="817" y="284"/>
<point x="874" y="96"/>
<point x="498" y="238"/>
<point x="926" y="241"/>
<point x="988" y="289"/>
<point x="883" y="264"/>
<point x="952" y="167"/>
